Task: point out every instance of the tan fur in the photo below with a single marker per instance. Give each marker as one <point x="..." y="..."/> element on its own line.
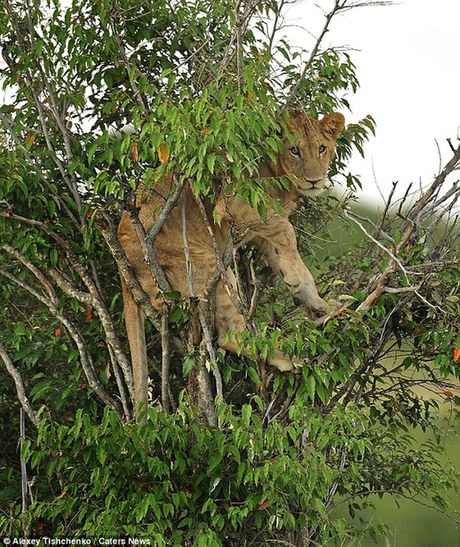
<point x="305" y="161"/>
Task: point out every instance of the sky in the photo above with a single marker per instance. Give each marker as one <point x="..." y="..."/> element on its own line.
<point x="408" y="64"/>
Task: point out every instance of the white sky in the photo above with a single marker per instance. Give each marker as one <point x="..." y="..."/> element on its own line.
<point x="408" y="65"/>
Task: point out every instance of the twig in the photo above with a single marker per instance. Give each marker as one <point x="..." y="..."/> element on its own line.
<point x="353" y="217"/>
<point x="387" y="207"/>
<point x="128" y="67"/>
<point x="381" y="288"/>
<point x="241" y="23"/>
<point x="35" y="271"/>
<point x="71" y="185"/>
<point x="378" y="229"/>
<point x="275" y="29"/>
<point x="338" y="5"/>
<point x="450" y="166"/>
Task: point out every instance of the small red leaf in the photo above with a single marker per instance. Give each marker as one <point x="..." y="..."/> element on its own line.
<point x="456" y="354"/>
<point x="30" y="139"/>
<point x="134" y="150"/>
<point x="163" y="154"/>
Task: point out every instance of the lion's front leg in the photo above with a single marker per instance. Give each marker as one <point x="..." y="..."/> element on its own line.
<point x="279" y="250"/>
<point x="230" y="324"/>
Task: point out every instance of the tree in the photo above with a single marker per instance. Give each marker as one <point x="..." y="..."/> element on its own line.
<point x="101" y="97"/>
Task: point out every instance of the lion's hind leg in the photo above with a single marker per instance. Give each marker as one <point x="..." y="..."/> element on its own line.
<point x="134" y="322"/>
<point x="230" y="324"/>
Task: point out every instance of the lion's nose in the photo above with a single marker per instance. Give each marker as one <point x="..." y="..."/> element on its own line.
<point x="314" y="182"/>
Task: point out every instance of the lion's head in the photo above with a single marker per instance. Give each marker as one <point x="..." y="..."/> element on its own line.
<point x="309" y="150"/>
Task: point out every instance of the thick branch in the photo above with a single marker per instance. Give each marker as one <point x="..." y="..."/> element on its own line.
<point x="165" y="361"/>
<point x="237" y="302"/>
<point x="171" y="202"/>
<point x="147" y="238"/>
<point x="109" y="233"/>
<point x="15" y="374"/>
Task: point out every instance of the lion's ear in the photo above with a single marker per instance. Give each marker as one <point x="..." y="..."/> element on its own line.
<point x="332" y="124"/>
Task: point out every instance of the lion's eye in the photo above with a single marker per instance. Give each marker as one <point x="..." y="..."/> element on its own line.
<point x="322" y="149"/>
<point x="295" y="151"/>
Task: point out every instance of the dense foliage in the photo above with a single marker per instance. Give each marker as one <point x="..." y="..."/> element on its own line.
<point x="101" y="97"/>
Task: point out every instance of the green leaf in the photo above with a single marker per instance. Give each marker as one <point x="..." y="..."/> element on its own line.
<point x="54" y="257"/>
<point x="258" y="402"/>
<point x="214" y="461"/>
<point x="310" y="384"/>
<point x="40" y="389"/>
<point x="252" y="373"/>
<point x="210" y="161"/>
<point x="246" y="412"/>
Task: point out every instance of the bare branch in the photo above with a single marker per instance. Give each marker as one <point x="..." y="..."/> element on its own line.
<point x="450" y="166"/>
<point x="109" y="233"/>
<point x="150" y="256"/>
<point x="35" y="271"/>
<point x="97" y="300"/>
<point x="236" y="300"/>
<point x="165" y="361"/>
<point x="117" y="13"/>
<point x="353" y="217"/>
<point x="204" y="323"/>
<point x="147" y="238"/>
<point x="171" y="202"/>
<point x="21" y="392"/>
<point x="141" y="298"/>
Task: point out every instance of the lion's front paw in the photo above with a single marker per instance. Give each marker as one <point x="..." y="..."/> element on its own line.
<point x="317" y="309"/>
<point x="334" y="308"/>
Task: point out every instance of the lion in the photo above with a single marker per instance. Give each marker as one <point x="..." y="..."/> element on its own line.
<point x="309" y="147"/>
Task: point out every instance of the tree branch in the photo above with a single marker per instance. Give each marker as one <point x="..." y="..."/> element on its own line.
<point x="21" y="392"/>
<point x="165" y="391"/>
<point x="204" y="324"/>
